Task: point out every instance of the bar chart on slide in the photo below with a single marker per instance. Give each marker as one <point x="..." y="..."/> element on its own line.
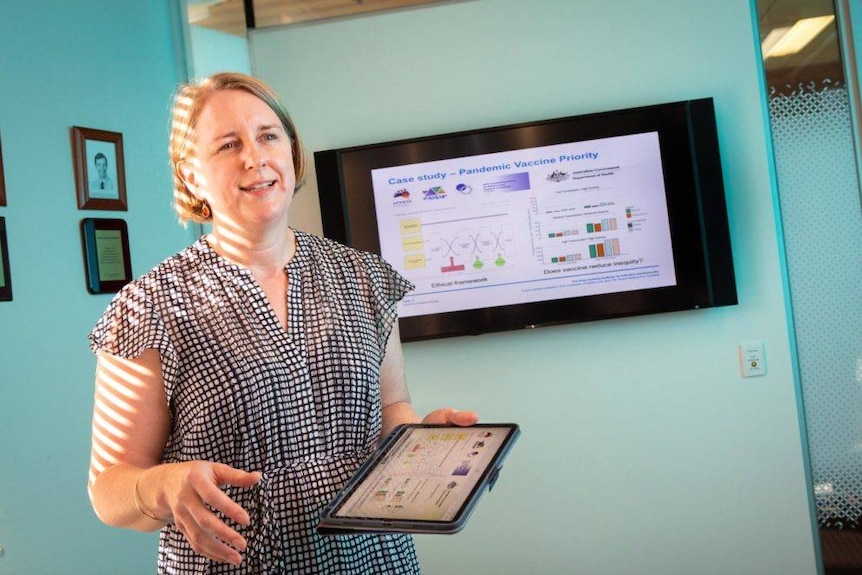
<point x="564" y="233"/>
<point x="607" y="224"/>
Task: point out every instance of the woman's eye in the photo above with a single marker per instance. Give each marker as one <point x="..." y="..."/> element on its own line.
<point x="228" y="146"/>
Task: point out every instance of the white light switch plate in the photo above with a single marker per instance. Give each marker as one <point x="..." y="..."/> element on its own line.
<point x="752" y="361"/>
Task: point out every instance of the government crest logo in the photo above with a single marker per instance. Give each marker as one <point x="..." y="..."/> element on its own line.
<point x="558" y="176"/>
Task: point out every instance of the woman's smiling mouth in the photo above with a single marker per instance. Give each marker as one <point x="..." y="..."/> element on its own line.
<point x="258" y="186"/>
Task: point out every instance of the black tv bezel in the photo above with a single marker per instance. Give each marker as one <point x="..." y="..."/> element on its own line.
<point x="694" y="190"/>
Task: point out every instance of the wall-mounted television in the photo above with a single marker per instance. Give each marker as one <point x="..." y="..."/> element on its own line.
<point x="574" y="219"/>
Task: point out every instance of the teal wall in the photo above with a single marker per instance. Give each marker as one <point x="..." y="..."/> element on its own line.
<point x="96" y="64"/>
<point x="213" y="51"/>
<point x="643" y="450"/>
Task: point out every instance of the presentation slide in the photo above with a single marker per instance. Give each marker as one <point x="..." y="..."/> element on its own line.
<point x="429" y="475"/>
<point x="528" y="225"/>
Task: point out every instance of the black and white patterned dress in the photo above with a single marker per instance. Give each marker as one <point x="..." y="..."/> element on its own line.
<point x="300" y="405"/>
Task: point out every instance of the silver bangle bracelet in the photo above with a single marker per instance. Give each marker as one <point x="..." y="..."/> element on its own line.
<point x="140" y="506"/>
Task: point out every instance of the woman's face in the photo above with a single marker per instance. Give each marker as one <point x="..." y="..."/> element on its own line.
<point x="243" y="166"/>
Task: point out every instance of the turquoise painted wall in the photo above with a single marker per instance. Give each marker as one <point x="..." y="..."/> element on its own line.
<point x="96" y="64"/>
<point x="643" y="451"/>
<point x="213" y="51"/>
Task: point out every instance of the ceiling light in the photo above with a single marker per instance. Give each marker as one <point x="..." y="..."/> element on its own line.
<point x="772" y="39"/>
<point x="796" y="38"/>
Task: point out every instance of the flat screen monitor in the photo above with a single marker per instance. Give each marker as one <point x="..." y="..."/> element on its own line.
<point x="573" y="219"/>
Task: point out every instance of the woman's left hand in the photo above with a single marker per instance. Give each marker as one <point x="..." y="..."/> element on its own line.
<point x="448" y="415"/>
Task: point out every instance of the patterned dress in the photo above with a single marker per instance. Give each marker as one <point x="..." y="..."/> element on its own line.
<point x="300" y="405"/>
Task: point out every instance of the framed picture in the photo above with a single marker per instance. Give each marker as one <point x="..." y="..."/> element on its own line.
<point x="100" y="173"/>
<point x="5" y="278"/>
<point x="2" y="179"/>
<point x="107" y="259"/>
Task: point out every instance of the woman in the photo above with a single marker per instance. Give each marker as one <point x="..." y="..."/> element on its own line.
<point x="241" y="382"/>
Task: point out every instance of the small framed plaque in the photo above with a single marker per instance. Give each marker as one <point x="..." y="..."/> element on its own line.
<point x="5" y="278"/>
<point x="107" y="260"/>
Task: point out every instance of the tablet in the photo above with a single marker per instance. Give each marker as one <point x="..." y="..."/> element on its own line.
<point x="424" y="478"/>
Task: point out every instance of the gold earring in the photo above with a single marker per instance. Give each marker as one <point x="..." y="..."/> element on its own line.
<point x="205" y="210"/>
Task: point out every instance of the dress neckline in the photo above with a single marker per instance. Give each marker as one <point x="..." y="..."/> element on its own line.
<point x="300" y="253"/>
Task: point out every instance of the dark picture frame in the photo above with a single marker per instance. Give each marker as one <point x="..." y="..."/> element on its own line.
<point x="5" y="274"/>
<point x="2" y="178"/>
<point x="100" y="172"/>
<point x="107" y="257"/>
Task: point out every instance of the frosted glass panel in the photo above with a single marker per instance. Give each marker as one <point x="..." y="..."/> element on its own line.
<point x="822" y="220"/>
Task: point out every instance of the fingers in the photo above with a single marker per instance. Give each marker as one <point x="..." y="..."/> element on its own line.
<point x="452" y="416"/>
<point x="209" y="536"/>
<point x="464" y="418"/>
<point x="199" y="492"/>
<point x="212" y="494"/>
<point x="227" y="475"/>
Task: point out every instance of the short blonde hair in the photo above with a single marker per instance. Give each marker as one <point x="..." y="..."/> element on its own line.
<point x="188" y="102"/>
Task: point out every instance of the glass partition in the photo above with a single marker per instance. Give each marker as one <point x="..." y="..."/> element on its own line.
<point x="815" y="160"/>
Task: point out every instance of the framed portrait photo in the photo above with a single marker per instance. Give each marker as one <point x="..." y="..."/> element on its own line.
<point x="100" y="173"/>
<point x="5" y="278"/>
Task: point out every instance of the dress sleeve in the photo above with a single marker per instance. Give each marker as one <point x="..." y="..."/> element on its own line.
<point x="388" y="287"/>
<point x="130" y="325"/>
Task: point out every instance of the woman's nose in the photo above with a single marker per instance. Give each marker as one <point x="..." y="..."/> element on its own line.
<point x="254" y="157"/>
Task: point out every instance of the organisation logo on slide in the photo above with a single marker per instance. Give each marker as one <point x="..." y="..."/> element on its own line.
<point x="401" y="198"/>
<point x="434" y="193"/>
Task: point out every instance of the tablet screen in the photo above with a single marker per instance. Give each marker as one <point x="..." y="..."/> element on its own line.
<point x="427" y="475"/>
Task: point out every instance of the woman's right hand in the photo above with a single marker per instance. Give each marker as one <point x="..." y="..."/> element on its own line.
<point x="128" y="485"/>
<point x="185" y="492"/>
